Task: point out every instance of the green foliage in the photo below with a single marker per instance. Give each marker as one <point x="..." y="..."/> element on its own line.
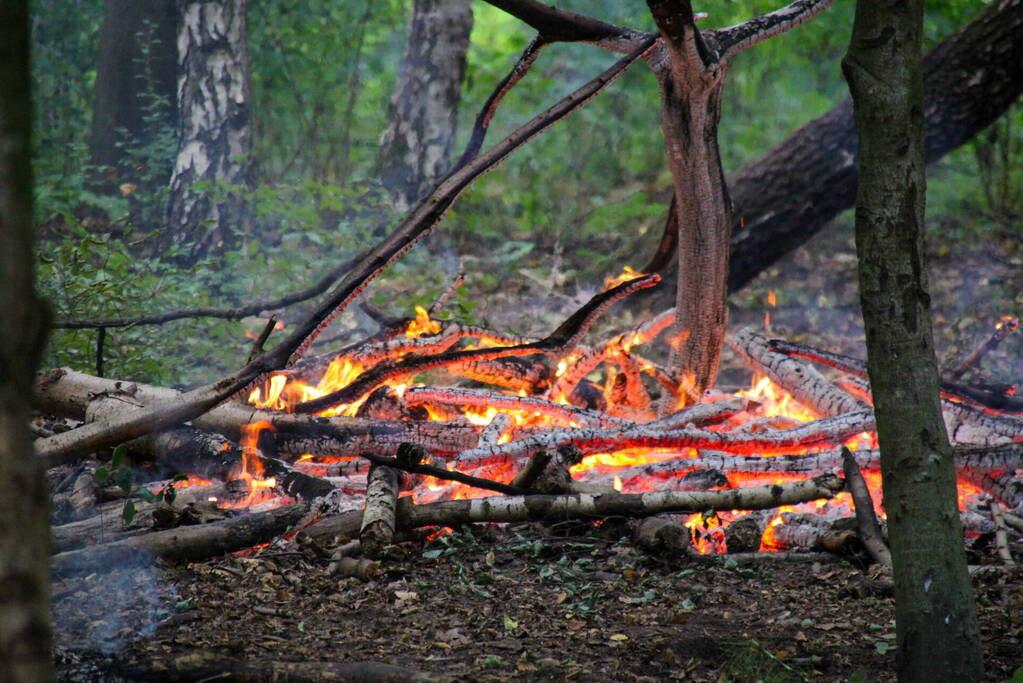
<point x="751" y="661"/>
<point x="120" y="474"/>
<point x="570" y="208"/>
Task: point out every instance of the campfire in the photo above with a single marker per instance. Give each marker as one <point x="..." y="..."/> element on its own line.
<point x="431" y="423"/>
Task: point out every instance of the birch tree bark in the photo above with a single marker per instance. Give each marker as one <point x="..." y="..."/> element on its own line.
<point x="936" y="622"/>
<point x="416" y="145"/>
<point x="215" y="136"/>
<point x="24" y="512"/>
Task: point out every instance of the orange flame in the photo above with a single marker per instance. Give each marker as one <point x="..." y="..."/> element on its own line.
<point x="251" y="469"/>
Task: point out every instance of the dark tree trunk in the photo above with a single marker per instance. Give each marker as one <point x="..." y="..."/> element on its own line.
<point x="136" y="84"/>
<point x="24" y="513"/>
<point x="215" y="136"/>
<point x="416" y="145"/>
<point x="936" y="621"/>
<point x="785" y="197"/>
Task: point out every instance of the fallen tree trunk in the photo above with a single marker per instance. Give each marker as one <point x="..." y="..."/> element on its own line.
<point x="183" y="544"/>
<point x="784" y="198"/>
<point x="67" y="393"/>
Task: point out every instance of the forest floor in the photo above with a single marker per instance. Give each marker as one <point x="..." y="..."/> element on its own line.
<point x="571" y="602"/>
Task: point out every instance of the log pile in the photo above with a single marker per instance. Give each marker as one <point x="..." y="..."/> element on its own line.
<point x="362" y="457"/>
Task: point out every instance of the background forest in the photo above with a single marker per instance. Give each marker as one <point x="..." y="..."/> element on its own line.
<point x="571" y="208"/>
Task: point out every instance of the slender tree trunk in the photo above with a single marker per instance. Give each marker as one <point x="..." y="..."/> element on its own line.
<point x="215" y="136"/>
<point x="24" y="513"/>
<point x="136" y="83"/>
<point x="416" y="145"/>
<point x="936" y="621"/>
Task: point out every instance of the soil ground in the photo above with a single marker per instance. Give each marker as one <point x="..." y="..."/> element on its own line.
<point x="576" y="603"/>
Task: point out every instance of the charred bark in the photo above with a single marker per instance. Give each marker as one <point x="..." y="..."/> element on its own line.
<point x="215" y="136"/>
<point x="24" y="519"/>
<point x="416" y="145"/>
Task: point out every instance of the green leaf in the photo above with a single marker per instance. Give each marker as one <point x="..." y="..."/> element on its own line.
<point x="124" y="478"/>
<point x="147" y="495"/>
<point x="169" y="494"/>
<point x="884" y="648"/>
<point x="102" y="475"/>
<point x="117" y="459"/>
<point x="433" y="553"/>
<point x="128" y="512"/>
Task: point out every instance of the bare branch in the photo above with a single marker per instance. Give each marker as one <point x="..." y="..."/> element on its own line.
<point x="557" y="25"/>
<point x="735" y="39"/>
<point x="235" y="313"/>
<point x="521" y="68"/>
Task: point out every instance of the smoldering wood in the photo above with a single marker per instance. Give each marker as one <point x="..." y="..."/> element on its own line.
<point x="183" y="544"/>
<point x="484" y="398"/>
<point x="564" y="337"/>
<point x="661" y="535"/>
<point x="743" y="534"/>
<point x="378" y="516"/>
<point x="819" y="433"/>
<point x="803" y="382"/>
<point x="68" y="393"/>
<point x="108" y="524"/>
<point x="550" y="508"/>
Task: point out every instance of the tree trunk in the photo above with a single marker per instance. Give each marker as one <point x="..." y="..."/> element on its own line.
<point x="215" y="136"/>
<point x="416" y="145"/>
<point x="936" y="621"/>
<point x="691" y="88"/>
<point x="136" y="84"/>
<point x="791" y="193"/>
<point x="24" y="514"/>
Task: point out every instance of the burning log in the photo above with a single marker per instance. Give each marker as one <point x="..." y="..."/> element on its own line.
<point x="983" y="397"/>
<point x="491" y="434"/>
<point x="68" y="393"/>
<point x="866" y="522"/>
<point x="812" y="532"/>
<point x="183" y="544"/>
<point x="378" y="517"/>
<point x="486" y="399"/>
<point x="742" y="535"/>
<point x="516" y="374"/>
<point x="805" y="384"/>
<point x="534" y="467"/>
<point x="565" y="336"/>
<point x="820" y="432"/>
<point x="550" y="508"/>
